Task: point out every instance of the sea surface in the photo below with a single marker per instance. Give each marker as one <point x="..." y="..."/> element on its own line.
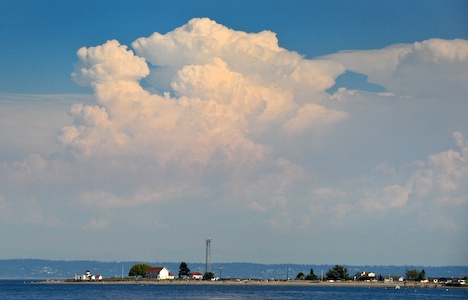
<point x="19" y="289"/>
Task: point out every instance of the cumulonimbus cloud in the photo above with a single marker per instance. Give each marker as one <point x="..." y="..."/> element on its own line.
<point x="229" y="95"/>
<point x="230" y="116"/>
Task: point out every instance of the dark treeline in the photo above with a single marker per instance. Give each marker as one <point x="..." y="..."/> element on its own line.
<point x="61" y="269"/>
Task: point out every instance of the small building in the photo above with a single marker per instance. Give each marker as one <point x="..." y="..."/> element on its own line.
<point x="392" y="278"/>
<point x="366" y="276"/>
<point x="159" y="273"/>
<point x="196" y="275"/>
<point x="87" y="276"/>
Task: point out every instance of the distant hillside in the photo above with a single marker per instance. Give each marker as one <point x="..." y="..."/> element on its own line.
<point x="60" y="269"/>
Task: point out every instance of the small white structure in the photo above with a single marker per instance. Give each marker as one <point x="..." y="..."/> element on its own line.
<point x="87" y="276"/>
<point x="392" y="278"/>
<point x="196" y="275"/>
<point x="159" y="273"/>
<point x="369" y="276"/>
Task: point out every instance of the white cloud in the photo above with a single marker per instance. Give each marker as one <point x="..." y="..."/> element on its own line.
<point x="109" y="62"/>
<point x="389" y="197"/>
<point x="459" y="139"/>
<point x="441" y="181"/>
<point x="429" y="69"/>
<point x="223" y="119"/>
<point x="242" y="131"/>
<point x="444" y="176"/>
<point x="312" y="116"/>
<point x="256" y="55"/>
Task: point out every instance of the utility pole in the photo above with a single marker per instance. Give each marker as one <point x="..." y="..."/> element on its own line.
<point x="208" y="256"/>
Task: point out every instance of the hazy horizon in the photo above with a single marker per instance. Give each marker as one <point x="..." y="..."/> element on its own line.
<point x="217" y="263"/>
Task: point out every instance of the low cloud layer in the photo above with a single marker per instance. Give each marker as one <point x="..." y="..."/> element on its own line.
<point x="206" y="130"/>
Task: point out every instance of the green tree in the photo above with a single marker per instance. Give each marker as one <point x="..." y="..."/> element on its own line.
<point x="422" y="275"/>
<point x="311" y="275"/>
<point x="300" y="276"/>
<point x="139" y="270"/>
<point x="338" y="273"/>
<point x="183" y="270"/>
<point x="208" y="276"/>
<point x="412" y="274"/>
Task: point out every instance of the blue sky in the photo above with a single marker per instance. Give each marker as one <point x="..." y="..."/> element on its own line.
<point x="288" y="131"/>
<point x="44" y="35"/>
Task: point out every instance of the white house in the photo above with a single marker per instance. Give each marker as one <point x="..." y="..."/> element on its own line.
<point x="367" y="276"/>
<point x="196" y="275"/>
<point x="87" y="276"/>
<point x="159" y="273"/>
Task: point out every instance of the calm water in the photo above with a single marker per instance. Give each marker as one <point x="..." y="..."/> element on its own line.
<point x="10" y="289"/>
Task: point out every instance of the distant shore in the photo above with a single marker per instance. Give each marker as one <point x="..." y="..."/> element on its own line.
<point x="361" y="284"/>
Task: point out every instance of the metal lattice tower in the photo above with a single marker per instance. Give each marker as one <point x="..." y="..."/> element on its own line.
<point x="208" y="256"/>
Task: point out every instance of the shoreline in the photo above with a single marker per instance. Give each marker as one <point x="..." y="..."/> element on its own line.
<point x="391" y="285"/>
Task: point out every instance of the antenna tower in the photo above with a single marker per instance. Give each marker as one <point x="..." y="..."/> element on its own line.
<point x="208" y="256"/>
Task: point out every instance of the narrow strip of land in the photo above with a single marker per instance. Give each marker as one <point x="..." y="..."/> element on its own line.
<point x="391" y="285"/>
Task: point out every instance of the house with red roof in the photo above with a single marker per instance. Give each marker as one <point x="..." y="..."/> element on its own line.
<point x="196" y="275"/>
<point x="159" y="273"/>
